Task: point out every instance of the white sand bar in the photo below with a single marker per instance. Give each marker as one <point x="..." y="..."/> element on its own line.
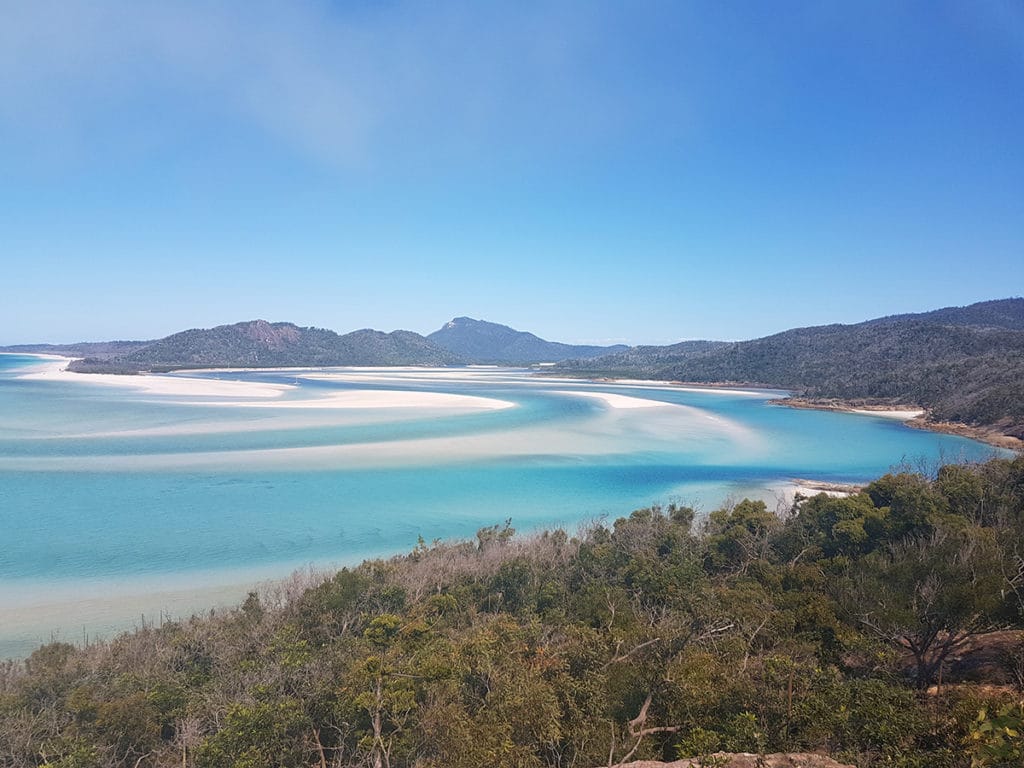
<point x="899" y="415"/>
<point x="374" y="398"/>
<point x="181" y="386"/>
<point x="670" y="386"/>
<point x="257" y="394"/>
<point x="617" y="401"/>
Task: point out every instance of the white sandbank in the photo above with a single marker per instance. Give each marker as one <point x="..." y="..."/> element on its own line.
<point x="809" y="490"/>
<point x="374" y="398"/>
<point x="616" y="401"/>
<point x="899" y="415"/>
<point x="256" y="394"/>
<point x="673" y="428"/>
<point x="783" y="494"/>
<point x="152" y="384"/>
<point x="672" y="387"/>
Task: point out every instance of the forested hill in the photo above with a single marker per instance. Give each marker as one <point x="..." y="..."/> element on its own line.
<point x="484" y="342"/>
<point x="965" y="364"/>
<point x="655" y="637"/>
<point x="259" y="344"/>
<point x="79" y="349"/>
<point x="1000" y="313"/>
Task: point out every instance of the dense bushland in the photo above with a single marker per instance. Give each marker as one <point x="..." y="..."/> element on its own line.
<point x="843" y="625"/>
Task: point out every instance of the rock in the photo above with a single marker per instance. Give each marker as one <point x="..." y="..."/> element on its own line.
<point x="745" y="760"/>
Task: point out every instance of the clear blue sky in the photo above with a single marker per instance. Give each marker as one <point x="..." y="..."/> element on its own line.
<point x="593" y="172"/>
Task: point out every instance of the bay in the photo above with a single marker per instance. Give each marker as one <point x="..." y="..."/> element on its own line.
<point x="124" y="497"/>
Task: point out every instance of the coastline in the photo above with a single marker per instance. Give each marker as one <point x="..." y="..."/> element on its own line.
<point x="911" y="416"/>
<point x="271" y="396"/>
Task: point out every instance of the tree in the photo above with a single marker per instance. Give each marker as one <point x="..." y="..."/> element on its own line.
<point x="927" y="596"/>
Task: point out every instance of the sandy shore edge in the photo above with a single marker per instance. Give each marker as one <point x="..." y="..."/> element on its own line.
<point x="916" y="418"/>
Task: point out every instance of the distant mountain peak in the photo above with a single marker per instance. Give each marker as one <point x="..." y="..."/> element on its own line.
<point x="485" y="342"/>
<point x="273" y="335"/>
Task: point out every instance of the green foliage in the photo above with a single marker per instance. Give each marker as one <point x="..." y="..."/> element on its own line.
<point x="260" y="735"/>
<point x="71" y="754"/>
<point x="997" y="739"/>
<point x="259" y="344"/>
<point x="699" y="742"/>
<point x="739" y="535"/>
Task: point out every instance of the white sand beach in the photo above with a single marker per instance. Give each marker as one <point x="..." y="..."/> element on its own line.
<point x="898" y="414"/>
<point x="656" y="384"/>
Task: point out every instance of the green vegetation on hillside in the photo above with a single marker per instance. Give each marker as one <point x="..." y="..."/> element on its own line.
<point x="259" y="344"/>
<point x="853" y="626"/>
<point x="963" y="364"/>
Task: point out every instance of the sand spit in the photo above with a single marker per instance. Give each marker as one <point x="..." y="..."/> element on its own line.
<point x="676" y="386"/>
<point x="890" y="413"/>
<point x="617" y="401"/>
<point x="256" y="394"/>
<point x="373" y="398"/>
<point x="814" y="487"/>
<point x="157" y="384"/>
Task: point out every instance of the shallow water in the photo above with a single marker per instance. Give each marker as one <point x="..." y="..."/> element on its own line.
<point x="118" y="500"/>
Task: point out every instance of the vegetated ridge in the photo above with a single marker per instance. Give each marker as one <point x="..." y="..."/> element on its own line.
<point x="482" y="342"/>
<point x="873" y="628"/>
<point x="98" y="349"/>
<point x="259" y="344"/>
<point x="964" y="364"/>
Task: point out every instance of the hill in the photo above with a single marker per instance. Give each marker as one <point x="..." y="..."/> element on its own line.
<point x="259" y="344"/>
<point x="999" y="313"/>
<point x="98" y="349"/>
<point x="964" y="364"/>
<point x="482" y="342"/>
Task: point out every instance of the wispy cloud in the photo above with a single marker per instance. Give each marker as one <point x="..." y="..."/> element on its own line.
<point x="336" y="84"/>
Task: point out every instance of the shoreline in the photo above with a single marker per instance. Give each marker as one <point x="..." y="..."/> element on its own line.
<point x="813" y="487"/>
<point x="911" y="416"/>
<point x="271" y="394"/>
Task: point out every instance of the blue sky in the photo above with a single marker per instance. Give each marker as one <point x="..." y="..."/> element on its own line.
<point x="593" y="172"/>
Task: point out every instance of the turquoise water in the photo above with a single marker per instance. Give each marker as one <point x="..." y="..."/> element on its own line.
<point x="109" y="488"/>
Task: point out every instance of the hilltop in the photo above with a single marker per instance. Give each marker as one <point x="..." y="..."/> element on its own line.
<point x="485" y="342"/>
